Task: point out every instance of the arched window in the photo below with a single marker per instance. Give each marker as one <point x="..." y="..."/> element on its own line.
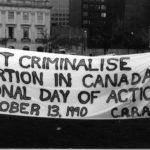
<point x="27" y="48"/>
<point x="11" y="47"/>
<point x="40" y="49"/>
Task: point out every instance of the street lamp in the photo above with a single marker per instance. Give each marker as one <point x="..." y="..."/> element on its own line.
<point x="131" y="44"/>
<point x="85" y="40"/>
<point x="5" y="40"/>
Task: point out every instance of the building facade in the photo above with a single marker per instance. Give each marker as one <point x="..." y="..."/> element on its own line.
<point x="23" y="23"/>
<point x="136" y="24"/>
<point x="75" y="13"/>
<point x="99" y="18"/>
<point x="94" y="20"/>
<point x="60" y="12"/>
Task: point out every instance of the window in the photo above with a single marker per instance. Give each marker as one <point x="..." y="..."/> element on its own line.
<point x="11" y="15"/>
<point x="11" y="32"/>
<point x="55" y="14"/>
<point x="85" y="21"/>
<point x="40" y="18"/>
<point x="25" y="16"/>
<point x="11" y="47"/>
<point x="85" y="6"/>
<point x="27" y="48"/>
<point x="85" y="14"/>
<point x="26" y="32"/>
<point x="98" y="7"/>
<point x="103" y="7"/>
<point x="40" y="33"/>
<point x="103" y="15"/>
<point x="9" y="1"/>
<point x="40" y="49"/>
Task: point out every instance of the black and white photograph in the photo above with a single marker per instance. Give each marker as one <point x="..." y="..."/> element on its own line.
<point x="74" y="74"/>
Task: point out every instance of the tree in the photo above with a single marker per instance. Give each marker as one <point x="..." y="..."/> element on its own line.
<point x="49" y="41"/>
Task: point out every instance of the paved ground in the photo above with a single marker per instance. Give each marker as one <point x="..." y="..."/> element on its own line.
<point x="22" y="132"/>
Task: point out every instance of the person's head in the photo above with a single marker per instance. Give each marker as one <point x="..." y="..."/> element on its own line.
<point x="62" y="51"/>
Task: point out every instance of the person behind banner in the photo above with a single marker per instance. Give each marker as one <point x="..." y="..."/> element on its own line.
<point x="62" y="51"/>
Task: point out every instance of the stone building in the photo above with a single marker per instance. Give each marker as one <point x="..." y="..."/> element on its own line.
<point x="23" y="23"/>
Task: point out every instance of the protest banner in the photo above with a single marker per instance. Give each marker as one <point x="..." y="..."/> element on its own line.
<point x="74" y="87"/>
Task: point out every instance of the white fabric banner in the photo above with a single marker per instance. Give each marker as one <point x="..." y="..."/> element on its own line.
<point x="74" y="87"/>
